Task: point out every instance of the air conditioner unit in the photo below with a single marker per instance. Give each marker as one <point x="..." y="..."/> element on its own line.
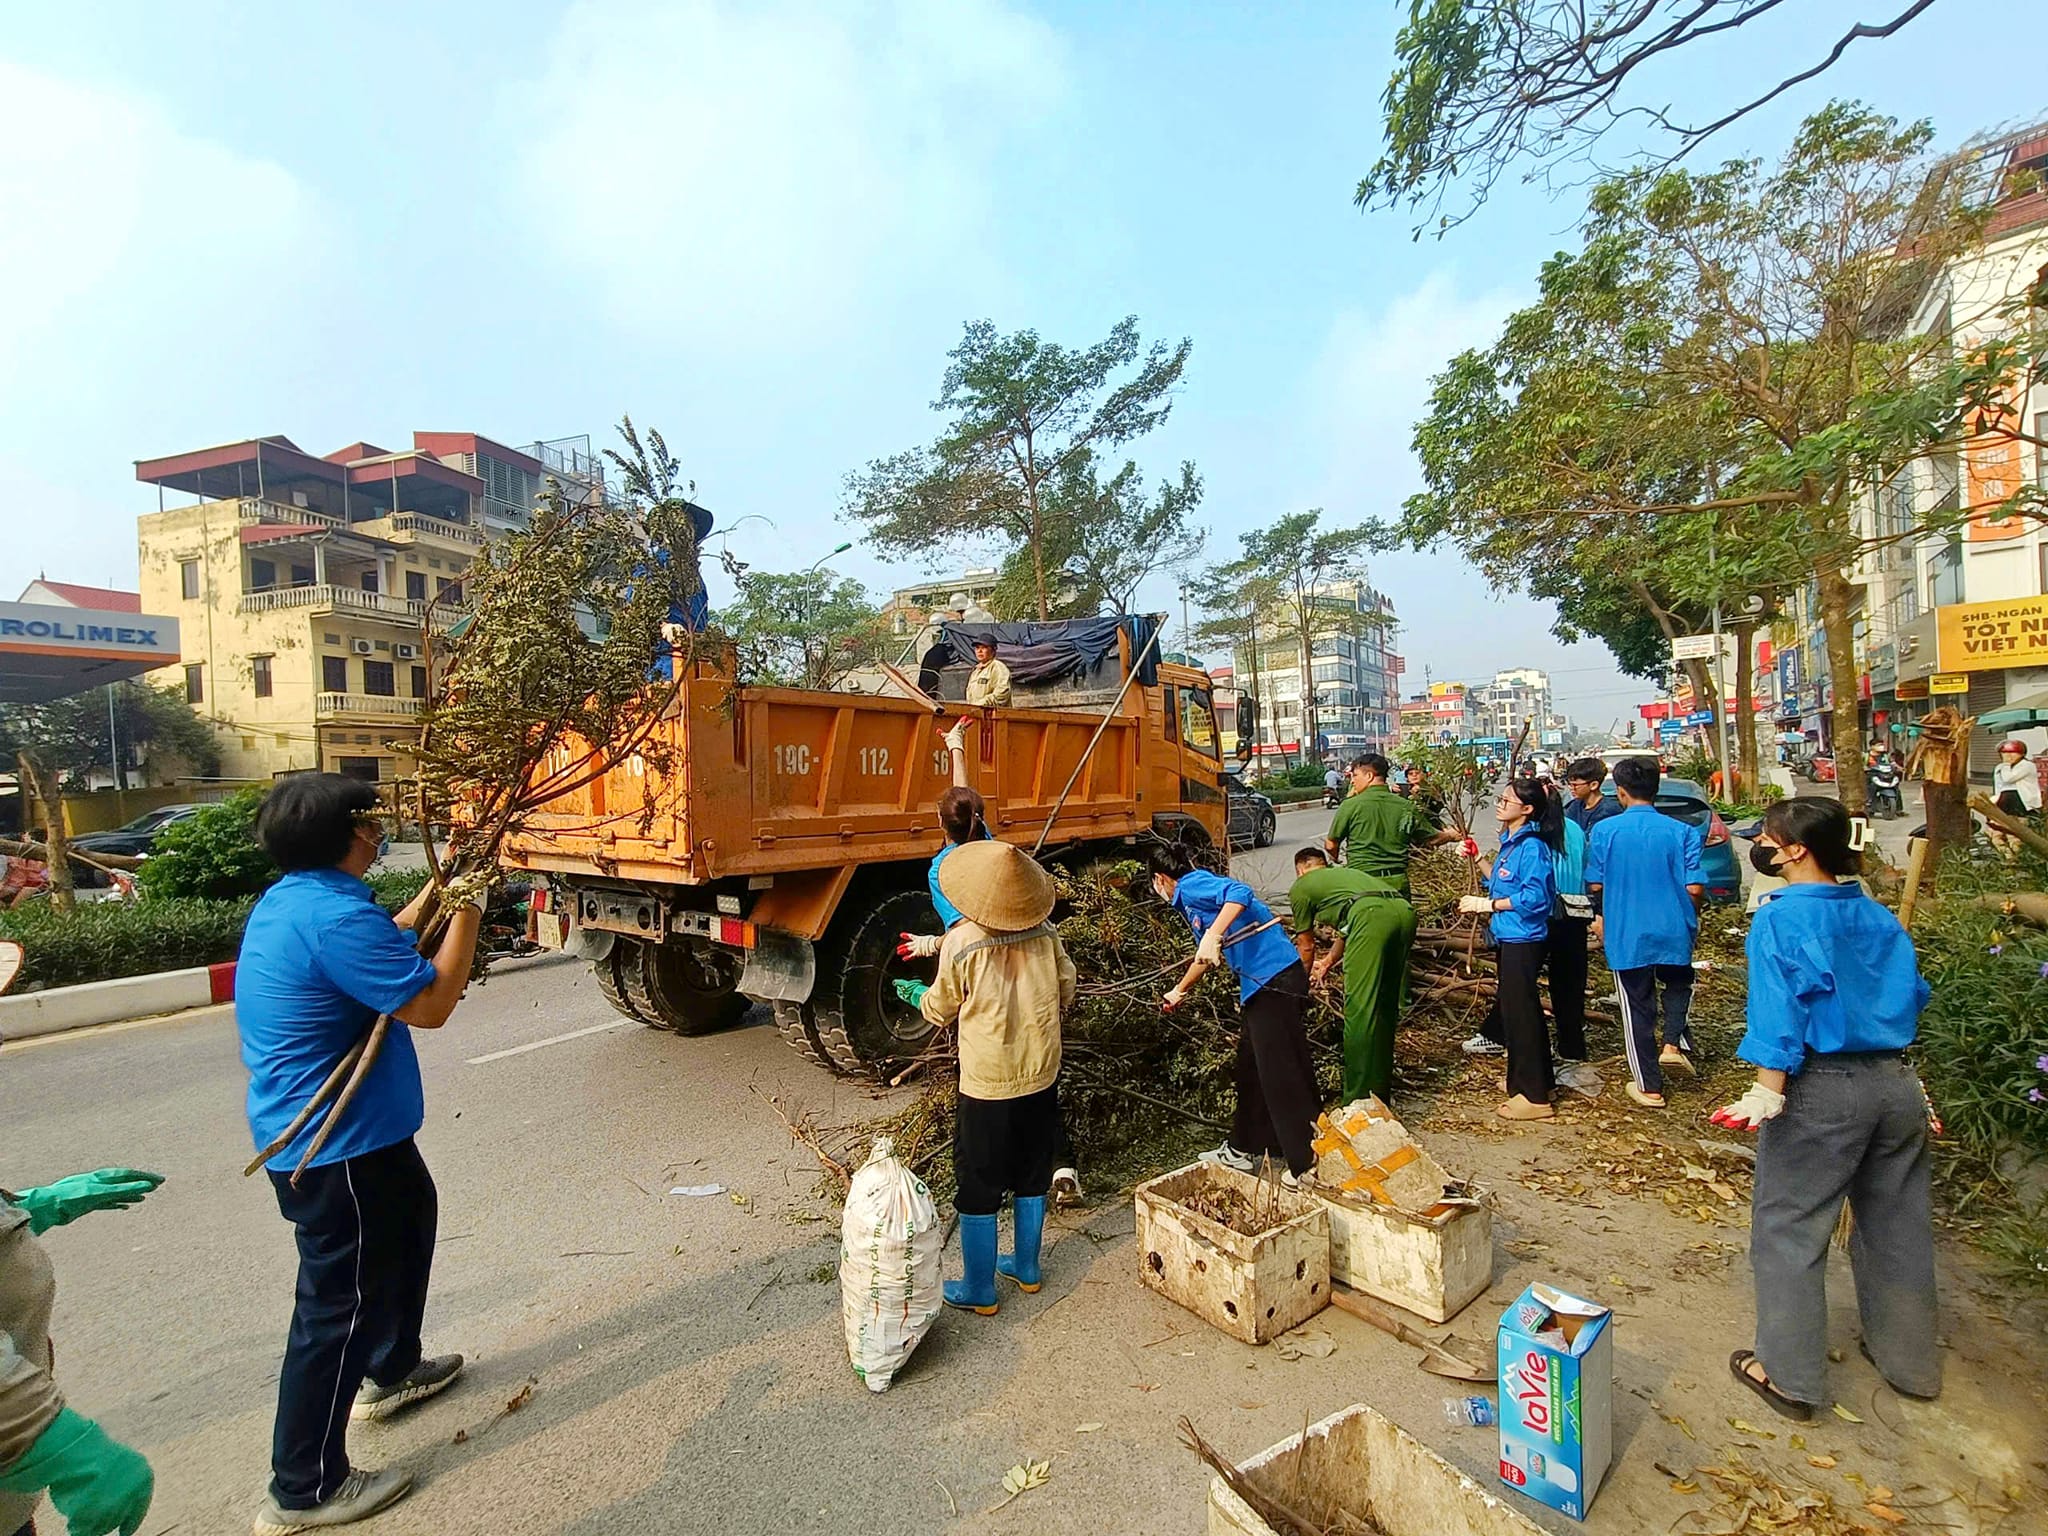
<point x="360" y="647"/>
<point x="405" y="652"/>
<point x="299" y="499"/>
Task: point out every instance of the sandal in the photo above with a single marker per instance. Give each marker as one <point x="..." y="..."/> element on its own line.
<point x="1739" y="1364"/>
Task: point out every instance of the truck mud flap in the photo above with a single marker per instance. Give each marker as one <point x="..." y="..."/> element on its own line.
<point x="780" y="968"/>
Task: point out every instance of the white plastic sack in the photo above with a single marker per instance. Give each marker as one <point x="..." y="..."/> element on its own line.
<point x="890" y="1245"/>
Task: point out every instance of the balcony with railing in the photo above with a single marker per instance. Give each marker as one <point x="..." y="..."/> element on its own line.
<point x="251" y="510"/>
<point x="327" y="598"/>
<point x="412" y="527"/>
<point x="366" y="706"/>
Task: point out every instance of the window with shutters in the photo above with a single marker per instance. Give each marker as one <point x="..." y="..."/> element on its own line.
<point x="334" y="674"/>
<point x="188" y="579"/>
<point x="259" y="675"/>
<point x="378" y="679"/>
<point x="195" y="683"/>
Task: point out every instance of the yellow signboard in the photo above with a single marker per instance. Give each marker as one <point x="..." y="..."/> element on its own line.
<point x="1985" y="637"/>
<point x="1949" y="682"/>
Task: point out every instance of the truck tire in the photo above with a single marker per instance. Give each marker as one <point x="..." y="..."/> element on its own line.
<point x="685" y="989"/>
<point x="610" y="968"/>
<point x="861" y="1023"/>
<point x="798" y="1026"/>
<point x="1269" y="828"/>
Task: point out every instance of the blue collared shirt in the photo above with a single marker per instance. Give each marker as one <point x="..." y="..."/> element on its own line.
<point x="1830" y="970"/>
<point x="1199" y="896"/>
<point x="1522" y="874"/>
<point x="1568" y="863"/>
<point x="1643" y="860"/>
<point x="948" y="913"/>
<point x="320" y="960"/>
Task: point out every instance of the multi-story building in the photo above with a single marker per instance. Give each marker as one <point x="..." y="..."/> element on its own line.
<point x="307" y="589"/>
<point x="1953" y="604"/>
<point x="1355" y="674"/>
<point x="1515" y="698"/>
<point x="909" y="607"/>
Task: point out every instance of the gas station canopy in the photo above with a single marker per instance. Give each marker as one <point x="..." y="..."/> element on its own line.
<point x="50" y="652"/>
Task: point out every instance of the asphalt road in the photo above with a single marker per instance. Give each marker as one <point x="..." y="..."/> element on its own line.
<point x="688" y="1352"/>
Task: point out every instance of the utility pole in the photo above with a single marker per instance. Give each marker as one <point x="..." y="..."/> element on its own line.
<point x="1187" y="630"/>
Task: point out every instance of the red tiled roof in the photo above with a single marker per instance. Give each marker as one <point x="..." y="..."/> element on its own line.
<point x="104" y="599"/>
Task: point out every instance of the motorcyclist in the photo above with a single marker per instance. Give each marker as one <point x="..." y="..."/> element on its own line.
<point x="1883" y="777"/>
<point x="1333" y="786"/>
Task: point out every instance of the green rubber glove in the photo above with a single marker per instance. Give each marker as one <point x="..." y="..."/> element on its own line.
<point x="98" y="1484"/>
<point x="912" y="992"/>
<point x="105" y="1189"/>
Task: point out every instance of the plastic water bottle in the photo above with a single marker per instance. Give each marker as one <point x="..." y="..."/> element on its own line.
<point x="1469" y="1412"/>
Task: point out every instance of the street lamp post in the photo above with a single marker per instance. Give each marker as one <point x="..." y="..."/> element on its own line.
<point x="829" y="554"/>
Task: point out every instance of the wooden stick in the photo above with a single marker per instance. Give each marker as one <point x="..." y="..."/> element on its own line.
<point x="916" y="693"/>
<point x="320" y="1096"/>
<point x="1448" y="1364"/>
<point x="2012" y="826"/>
<point x="368" y="1059"/>
<point x="1916" y="861"/>
<point x="1282" y="1517"/>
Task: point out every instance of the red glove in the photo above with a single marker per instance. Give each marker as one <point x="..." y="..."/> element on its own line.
<point x="1469" y="848"/>
<point x="917" y="946"/>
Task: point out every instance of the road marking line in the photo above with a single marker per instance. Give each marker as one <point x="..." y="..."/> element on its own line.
<point x="535" y="1045"/>
<point x="15" y="1043"/>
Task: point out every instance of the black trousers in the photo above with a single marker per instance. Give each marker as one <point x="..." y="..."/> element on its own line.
<point x="365" y="1229"/>
<point x="1004" y="1146"/>
<point x="1277" y="1101"/>
<point x="1640" y="986"/>
<point x="1564" y="958"/>
<point x="1519" y="1008"/>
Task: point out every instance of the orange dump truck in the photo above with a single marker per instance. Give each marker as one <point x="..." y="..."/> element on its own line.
<point x="787" y="845"/>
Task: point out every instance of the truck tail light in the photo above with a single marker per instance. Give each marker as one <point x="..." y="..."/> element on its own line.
<point x="735" y="933"/>
<point x="543" y="900"/>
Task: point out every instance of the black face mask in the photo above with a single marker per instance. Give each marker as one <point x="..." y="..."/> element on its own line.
<point x="1760" y="857"/>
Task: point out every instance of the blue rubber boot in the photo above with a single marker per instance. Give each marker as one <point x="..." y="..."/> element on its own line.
<point x="977" y="1291"/>
<point x="1027" y="1214"/>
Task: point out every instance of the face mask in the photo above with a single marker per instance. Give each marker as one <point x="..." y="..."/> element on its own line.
<point x="1762" y="858"/>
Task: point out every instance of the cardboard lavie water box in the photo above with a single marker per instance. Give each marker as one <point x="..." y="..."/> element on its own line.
<point x="1556" y="1397"/>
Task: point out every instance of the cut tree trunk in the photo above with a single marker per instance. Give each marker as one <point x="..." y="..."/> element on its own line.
<point x="1747" y="766"/>
<point x="50" y="795"/>
<point x="1836" y="594"/>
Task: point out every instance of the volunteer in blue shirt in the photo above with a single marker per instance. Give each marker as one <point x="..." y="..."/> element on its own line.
<point x="1835" y="996"/>
<point x="1589" y="804"/>
<point x="320" y="961"/>
<point x="1520" y="888"/>
<point x="1277" y="1101"/>
<point x="1643" y="873"/>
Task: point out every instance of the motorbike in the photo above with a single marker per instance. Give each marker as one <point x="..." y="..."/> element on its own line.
<point x="1886" y="800"/>
<point x="503" y="934"/>
<point x="1332" y="798"/>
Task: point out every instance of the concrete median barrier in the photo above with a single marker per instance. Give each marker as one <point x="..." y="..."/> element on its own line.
<point x="57" y="1009"/>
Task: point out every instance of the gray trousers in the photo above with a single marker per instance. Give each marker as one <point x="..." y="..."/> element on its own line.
<point x="1854" y="1126"/>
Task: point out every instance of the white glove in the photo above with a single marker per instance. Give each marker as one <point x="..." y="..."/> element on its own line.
<point x="1172" y="1000"/>
<point x="470" y="890"/>
<point x="1477" y="905"/>
<point x="1210" y="950"/>
<point x="919" y="946"/>
<point x="1751" y="1110"/>
<point x="956" y="738"/>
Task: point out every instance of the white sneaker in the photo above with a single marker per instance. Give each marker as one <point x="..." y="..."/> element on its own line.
<point x="1066" y="1186"/>
<point x="1228" y="1156"/>
<point x="1479" y="1045"/>
<point x="1299" y="1180"/>
<point x="361" y="1495"/>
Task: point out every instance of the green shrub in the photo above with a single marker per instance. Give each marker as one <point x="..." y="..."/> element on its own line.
<point x="102" y="940"/>
<point x="393" y="888"/>
<point x="213" y="855"/>
<point x="1303" y="776"/>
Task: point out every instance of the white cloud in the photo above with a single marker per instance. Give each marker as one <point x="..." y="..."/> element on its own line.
<point x="756" y="172"/>
<point x="144" y="271"/>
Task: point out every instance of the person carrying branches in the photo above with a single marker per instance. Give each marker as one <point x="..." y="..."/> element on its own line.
<point x="320" y="963"/>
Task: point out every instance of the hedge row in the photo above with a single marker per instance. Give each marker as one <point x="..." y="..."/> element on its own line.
<point x="106" y="940"/>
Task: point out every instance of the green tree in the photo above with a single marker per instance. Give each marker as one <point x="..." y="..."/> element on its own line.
<point x="51" y="742"/>
<point x="1724" y="356"/>
<point x="1102" y="538"/>
<point x="803" y="629"/>
<point x="1233" y="595"/>
<point x="156" y="720"/>
<point x="1482" y="85"/>
<point x="212" y="855"/>
<point x="1022" y="413"/>
<point x="1305" y="561"/>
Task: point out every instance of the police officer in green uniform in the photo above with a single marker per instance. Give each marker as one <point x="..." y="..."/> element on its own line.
<point x="1376" y="829"/>
<point x="1375" y="926"/>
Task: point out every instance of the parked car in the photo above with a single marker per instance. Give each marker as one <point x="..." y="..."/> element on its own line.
<point x="1251" y="814"/>
<point x="1683" y="800"/>
<point x="139" y="836"/>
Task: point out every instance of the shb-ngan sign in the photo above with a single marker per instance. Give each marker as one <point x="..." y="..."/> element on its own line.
<point x="1983" y="637"/>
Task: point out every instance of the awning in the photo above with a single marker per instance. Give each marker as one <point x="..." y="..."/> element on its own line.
<point x="2030" y="709"/>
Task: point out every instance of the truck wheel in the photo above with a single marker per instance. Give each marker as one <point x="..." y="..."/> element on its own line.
<point x="610" y="973"/>
<point x="798" y="1026"/>
<point x="686" y="989"/>
<point x="862" y="1023"/>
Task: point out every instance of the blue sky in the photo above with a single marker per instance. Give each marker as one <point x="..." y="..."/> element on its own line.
<point x="759" y="226"/>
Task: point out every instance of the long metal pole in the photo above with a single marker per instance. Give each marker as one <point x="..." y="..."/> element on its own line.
<point x="1720" y="691"/>
<point x="1130" y="677"/>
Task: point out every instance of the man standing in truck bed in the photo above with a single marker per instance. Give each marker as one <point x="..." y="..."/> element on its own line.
<point x="989" y="683"/>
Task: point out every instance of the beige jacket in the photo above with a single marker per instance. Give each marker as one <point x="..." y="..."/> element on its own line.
<point x="1005" y="991"/>
<point x="29" y="1399"/>
<point x="988" y="683"/>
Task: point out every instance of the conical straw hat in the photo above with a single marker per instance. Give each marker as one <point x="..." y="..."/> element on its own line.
<point x="997" y="885"/>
